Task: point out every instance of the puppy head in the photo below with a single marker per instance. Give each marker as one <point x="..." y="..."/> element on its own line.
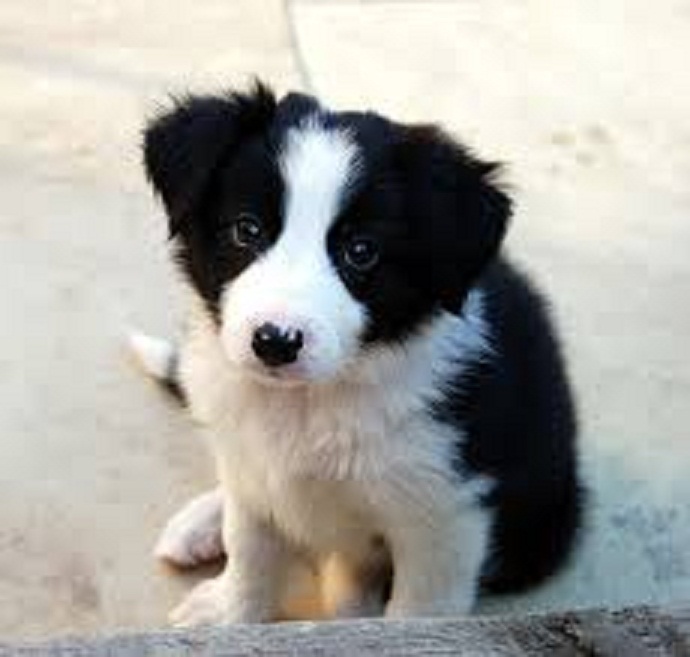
<point x="312" y="235"/>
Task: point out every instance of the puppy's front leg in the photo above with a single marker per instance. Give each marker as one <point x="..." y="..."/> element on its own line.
<point x="249" y="588"/>
<point x="437" y="559"/>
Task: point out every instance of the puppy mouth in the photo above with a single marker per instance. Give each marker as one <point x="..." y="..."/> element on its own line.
<point x="284" y="377"/>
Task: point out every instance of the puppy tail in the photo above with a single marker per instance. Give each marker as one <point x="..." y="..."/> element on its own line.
<point x="159" y="359"/>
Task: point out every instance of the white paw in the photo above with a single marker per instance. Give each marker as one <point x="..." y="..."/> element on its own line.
<point x="207" y="604"/>
<point x="193" y="536"/>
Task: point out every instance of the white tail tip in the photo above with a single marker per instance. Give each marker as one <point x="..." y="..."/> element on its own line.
<point x="155" y="355"/>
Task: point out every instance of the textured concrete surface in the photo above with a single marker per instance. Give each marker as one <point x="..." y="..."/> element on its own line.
<point x="637" y="632"/>
<point x="591" y="107"/>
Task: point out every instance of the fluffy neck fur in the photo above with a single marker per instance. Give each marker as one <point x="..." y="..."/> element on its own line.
<point x="332" y="429"/>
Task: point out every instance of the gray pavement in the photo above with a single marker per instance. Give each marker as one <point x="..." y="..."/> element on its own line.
<point x="591" y="107"/>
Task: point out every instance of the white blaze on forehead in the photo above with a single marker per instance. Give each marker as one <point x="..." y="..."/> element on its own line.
<point x="294" y="283"/>
<point x="318" y="165"/>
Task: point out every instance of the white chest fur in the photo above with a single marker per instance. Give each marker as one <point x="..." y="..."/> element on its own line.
<point x="325" y="461"/>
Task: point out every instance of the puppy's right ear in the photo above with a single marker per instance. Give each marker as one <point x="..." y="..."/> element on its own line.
<point x="184" y="146"/>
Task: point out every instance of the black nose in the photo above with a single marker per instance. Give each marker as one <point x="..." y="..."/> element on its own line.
<point x="275" y="346"/>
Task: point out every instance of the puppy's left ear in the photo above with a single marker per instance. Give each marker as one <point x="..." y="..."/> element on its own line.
<point x="459" y="210"/>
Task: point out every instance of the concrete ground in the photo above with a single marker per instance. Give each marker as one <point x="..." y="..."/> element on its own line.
<point x="589" y="104"/>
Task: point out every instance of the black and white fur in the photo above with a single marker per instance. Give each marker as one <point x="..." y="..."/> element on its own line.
<point x="410" y="423"/>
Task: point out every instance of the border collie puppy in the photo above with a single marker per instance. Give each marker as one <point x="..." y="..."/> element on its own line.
<point x="384" y="394"/>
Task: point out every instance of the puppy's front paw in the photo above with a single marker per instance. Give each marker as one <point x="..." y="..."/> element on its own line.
<point x="193" y="536"/>
<point x="207" y="604"/>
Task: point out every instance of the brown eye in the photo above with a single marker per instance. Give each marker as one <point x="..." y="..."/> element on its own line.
<point x="361" y="254"/>
<point x="247" y="231"/>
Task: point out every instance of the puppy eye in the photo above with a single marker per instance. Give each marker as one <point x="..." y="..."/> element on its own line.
<point x="361" y="254"/>
<point x="247" y="231"/>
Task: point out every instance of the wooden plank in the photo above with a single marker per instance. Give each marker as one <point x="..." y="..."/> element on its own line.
<point x="635" y="632"/>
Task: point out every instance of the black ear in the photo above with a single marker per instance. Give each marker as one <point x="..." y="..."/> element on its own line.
<point x="184" y="146"/>
<point x="295" y="105"/>
<point x="461" y="213"/>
